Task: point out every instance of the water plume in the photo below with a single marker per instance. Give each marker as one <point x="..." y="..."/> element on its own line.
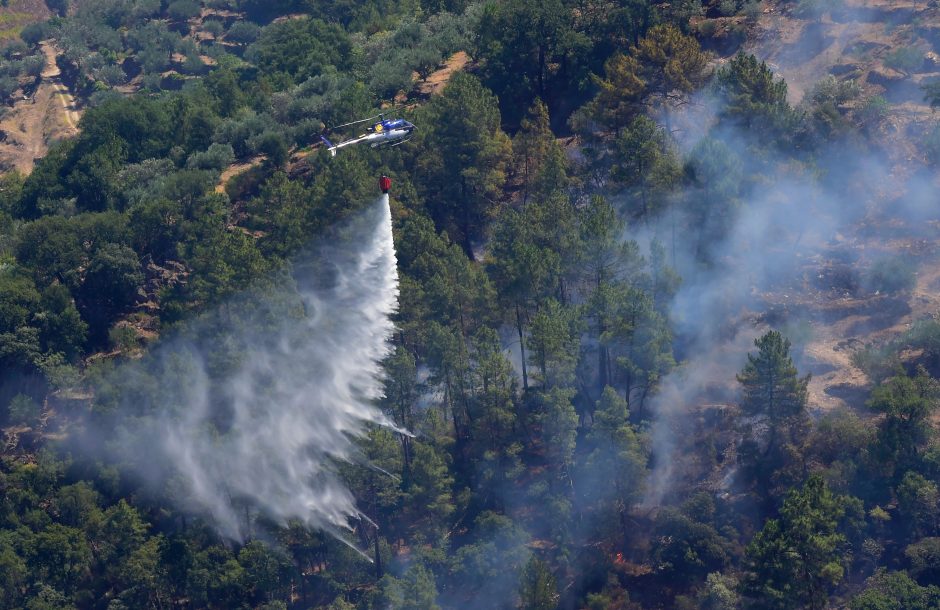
<point x="264" y="432"/>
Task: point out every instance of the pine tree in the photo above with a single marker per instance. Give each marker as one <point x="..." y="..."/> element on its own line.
<point x="795" y="560"/>
<point x="771" y="386"/>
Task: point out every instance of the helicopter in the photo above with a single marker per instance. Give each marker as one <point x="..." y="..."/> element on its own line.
<point x="384" y="132"/>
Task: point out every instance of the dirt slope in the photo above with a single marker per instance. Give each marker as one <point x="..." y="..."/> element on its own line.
<point x="33" y="123"/>
<point x="856" y="40"/>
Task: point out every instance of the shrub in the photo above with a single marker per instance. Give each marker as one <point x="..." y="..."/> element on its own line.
<point x="751" y="10"/>
<point x="813" y="9"/>
<point x="218" y="157"/>
<point x="182" y="10"/>
<point x="707" y="28"/>
<point x="390" y="76"/>
<point x="111" y="75"/>
<point x="59" y="7"/>
<point x="727" y="7"/>
<point x="33" y="65"/>
<point x="34" y="32"/>
<point x="24" y="410"/>
<point x="891" y="275"/>
<point x="932" y="146"/>
<point x="872" y="112"/>
<point x="905" y="59"/>
<point x="122" y="337"/>
<point x="243" y="32"/>
<point x="8" y="85"/>
<point x="214" y="27"/>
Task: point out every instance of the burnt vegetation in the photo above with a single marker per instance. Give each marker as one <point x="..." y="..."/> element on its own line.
<point x="621" y="243"/>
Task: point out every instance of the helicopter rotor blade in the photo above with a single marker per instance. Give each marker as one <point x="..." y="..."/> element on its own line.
<point x="371" y="118"/>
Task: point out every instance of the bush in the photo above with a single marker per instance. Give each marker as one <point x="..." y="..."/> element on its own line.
<point x="111" y="75"/>
<point x="23" y="410"/>
<point x="274" y="146"/>
<point x="751" y="10"/>
<point x="390" y="76"/>
<point x="813" y="9"/>
<point x="727" y="8"/>
<point x="193" y="65"/>
<point x="243" y="32"/>
<point x="872" y="112"/>
<point x="33" y="65"/>
<point x="905" y="59"/>
<point x="214" y="27"/>
<point x="707" y="28"/>
<point x="183" y="10"/>
<point x="59" y="7"/>
<point x="122" y="337"/>
<point x="932" y="146"/>
<point x="8" y="86"/>
<point x="151" y="82"/>
<point x="891" y="275"/>
<point x="425" y="59"/>
<point x="217" y="157"/>
<point x="34" y="32"/>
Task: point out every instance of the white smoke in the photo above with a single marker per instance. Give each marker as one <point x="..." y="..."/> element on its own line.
<point x="267" y="435"/>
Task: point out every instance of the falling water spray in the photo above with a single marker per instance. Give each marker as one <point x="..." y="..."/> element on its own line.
<point x="266" y="436"/>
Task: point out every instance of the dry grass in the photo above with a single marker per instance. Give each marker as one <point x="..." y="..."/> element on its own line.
<point x="18" y="14"/>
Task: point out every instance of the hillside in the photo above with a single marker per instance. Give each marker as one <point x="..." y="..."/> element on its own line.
<point x="649" y="318"/>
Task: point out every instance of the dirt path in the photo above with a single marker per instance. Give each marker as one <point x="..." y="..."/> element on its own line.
<point x="438" y="79"/>
<point x="237" y="169"/>
<point x="34" y="123"/>
<point x="52" y="75"/>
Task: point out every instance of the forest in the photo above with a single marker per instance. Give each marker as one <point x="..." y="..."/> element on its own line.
<point x="599" y="389"/>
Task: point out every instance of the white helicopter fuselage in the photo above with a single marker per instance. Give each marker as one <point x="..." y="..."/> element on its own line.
<point x="374" y="139"/>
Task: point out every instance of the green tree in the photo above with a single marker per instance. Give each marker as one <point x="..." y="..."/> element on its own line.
<point x="493" y="416"/>
<point x="523" y="270"/>
<point x="266" y="572"/>
<point x="415" y="590"/>
<point x="773" y="391"/>
<point x="687" y="550"/>
<point x="301" y="48"/>
<point x="794" y="561"/>
<point x="61" y="557"/>
<point x="907" y="403"/>
<point x="672" y="63"/>
<point x="109" y="287"/>
<point x="14" y="573"/>
<point x="932" y="93"/>
<point x="429" y="498"/>
<point x="24" y="410"/>
<point x="554" y="337"/>
<point x="530" y="50"/>
<point x="461" y="158"/>
<point x="61" y="328"/>
<point x="621" y="92"/>
<point x="918" y="504"/>
<point x="665" y="66"/>
<point x="558" y="427"/>
<point x="715" y="172"/>
<point x="886" y="590"/>
<point x="924" y="559"/>
<point x="538" y="589"/>
<point x="753" y="98"/>
<point x="615" y="468"/>
<point x="534" y="150"/>
<point x="646" y="163"/>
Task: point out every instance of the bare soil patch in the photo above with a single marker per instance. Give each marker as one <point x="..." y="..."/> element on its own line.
<point x="436" y="82"/>
<point x="34" y="122"/>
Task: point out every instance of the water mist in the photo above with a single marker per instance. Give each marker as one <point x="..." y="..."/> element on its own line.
<point x="265" y="435"/>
